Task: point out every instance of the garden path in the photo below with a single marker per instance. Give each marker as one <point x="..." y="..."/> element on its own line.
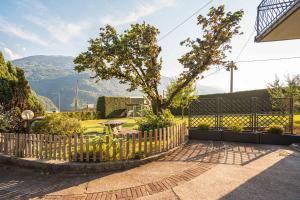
<point x="201" y="170"/>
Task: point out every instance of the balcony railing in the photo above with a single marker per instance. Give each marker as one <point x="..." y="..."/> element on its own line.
<point x="269" y="11"/>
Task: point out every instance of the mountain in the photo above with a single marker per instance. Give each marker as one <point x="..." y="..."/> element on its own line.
<point x="51" y="76"/>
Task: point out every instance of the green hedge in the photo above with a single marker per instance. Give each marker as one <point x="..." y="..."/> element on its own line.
<point x="111" y="107"/>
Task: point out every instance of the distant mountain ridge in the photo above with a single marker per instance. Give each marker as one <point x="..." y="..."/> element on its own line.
<point x="51" y="75"/>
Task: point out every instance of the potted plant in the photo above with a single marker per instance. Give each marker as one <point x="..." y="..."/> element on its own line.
<point x="236" y="133"/>
<point x="204" y="131"/>
<point x="275" y="135"/>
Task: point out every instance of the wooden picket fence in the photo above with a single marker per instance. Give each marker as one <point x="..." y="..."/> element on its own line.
<point x="81" y="148"/>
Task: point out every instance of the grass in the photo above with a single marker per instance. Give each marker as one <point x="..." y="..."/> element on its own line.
<point x="93" y="126"/>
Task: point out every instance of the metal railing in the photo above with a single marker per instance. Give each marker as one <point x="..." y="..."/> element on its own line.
<point x="253" y="114"/>
<point x="269" y="11"/>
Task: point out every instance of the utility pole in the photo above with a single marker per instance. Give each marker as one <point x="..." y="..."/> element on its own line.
<point x="231" y="79"/>
<point x="76" y="96"/>
<point x="231" y="67"/>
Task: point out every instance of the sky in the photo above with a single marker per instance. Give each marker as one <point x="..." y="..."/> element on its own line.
<point x="51" y="27"/>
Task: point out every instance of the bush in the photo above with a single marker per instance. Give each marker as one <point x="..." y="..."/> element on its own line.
<point x="57" y="124"/>
<point x="151" y="121"/>
<point x="276" y="129"/>
<point x="110" y="107"/>
<point x="204" y="126"/>
<point x="236" y="128"/>
<point x="10" y="120"/>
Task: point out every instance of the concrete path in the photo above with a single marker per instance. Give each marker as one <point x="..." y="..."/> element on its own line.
<point x="201" y="170"/>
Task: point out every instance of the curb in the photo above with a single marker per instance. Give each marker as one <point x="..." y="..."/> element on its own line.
<point x="77" y="167"/>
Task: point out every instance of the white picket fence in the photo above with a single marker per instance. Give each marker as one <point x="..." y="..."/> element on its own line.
<point x="81" y="148"/>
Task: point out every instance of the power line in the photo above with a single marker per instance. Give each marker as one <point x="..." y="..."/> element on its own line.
<point x="245" y="45"/>
<point x="269" y="59"/>
<point x="184" y="21"/>
<point x="258" y="60"/>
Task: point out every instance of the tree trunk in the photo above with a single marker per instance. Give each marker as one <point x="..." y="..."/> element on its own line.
<point x="182" y="112"/>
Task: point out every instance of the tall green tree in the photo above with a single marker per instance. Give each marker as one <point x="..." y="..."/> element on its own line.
<point x="133" y="57"/>
<point x="15" y="92"/>
<point x="290" y="88"/>
<point x="183" y="98"/>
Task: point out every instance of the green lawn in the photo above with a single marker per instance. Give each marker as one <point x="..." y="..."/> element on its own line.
<point x="297" y="119"/>
<point x="93" y="126"/>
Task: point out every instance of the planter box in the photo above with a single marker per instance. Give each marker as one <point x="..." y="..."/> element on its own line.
<point x="285" y="139"/>
<point x="244" y="137"/>
<point x="198" y="134"/>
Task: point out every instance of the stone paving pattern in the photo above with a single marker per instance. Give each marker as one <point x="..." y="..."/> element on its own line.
<point x="162" y="179"/>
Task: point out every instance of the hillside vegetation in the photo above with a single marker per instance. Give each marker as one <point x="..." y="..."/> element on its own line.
<point x="49" y="75"/>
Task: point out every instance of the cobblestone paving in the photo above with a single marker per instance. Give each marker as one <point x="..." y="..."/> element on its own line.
<point x="196" y="157"/>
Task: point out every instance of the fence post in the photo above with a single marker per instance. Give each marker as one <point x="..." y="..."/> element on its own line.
<point x="150" y="141"/>
<point x="145" y="143"/>
<point x="121" y="149"/>
<point x="87" y="149"/>
<point x="218" y="117"/>
<point x="140" y="143"/>
<point x="160" y="139"/>
<point x="100" y="150"/>
<point x="81" y="148"/>
<point x="133" y="145"/>
<point x="127" y="146"/>
<point x="75" y="146"/>
<point x="107" y="147"/>
<point x="165" y="139"/>
<point x="253" y="110"/>
<point x="291" y="115"/>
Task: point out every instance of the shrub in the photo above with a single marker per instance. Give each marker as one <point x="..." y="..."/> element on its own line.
<point x="10" y="120"/>
<point x="276" y="129"/>
<point x="204" y="126"/>
<point x="236" y="128"/>
<point x="57" y="124"/>
<point x="151" y="121"/>
<point x="109" y="107"/>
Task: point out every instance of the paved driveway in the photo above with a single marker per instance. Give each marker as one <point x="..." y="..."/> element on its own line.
<point x="201" y="170"/>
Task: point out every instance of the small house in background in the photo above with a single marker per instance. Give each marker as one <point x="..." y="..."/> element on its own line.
<point x="135" y="104"/>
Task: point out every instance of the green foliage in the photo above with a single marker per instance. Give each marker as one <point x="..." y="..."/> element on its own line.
<point x="276" y="129"/>
<point x="291" y="88"/>
<point x="183" y="98"/>
<point x="111" y="107"/>
<point x="57" y="124"/>
<point x="9" y="120"/>
<point x="204" y="126"/>
<point x="151" y="121"/>
<point x="236" y="128"/>
<point x="15" y="92"/>
<point x="133" y="57"/>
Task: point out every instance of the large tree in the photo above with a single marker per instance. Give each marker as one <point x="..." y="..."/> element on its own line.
<point x="134" y="56"/>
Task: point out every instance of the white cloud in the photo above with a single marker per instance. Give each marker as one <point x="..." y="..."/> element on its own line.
<point x="11" y="55"/>
<point x="58" y="29"/>
<point x="18" y="31"/>
<point x="140" y="11"/>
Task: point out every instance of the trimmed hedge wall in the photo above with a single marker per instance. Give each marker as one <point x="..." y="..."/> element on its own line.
<point x="111" y="107"/>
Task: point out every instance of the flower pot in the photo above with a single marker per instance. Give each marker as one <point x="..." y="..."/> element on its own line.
<point x="278" y="139"/>
<point x="244" y="137"/>
<point x="199" y="134"/>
